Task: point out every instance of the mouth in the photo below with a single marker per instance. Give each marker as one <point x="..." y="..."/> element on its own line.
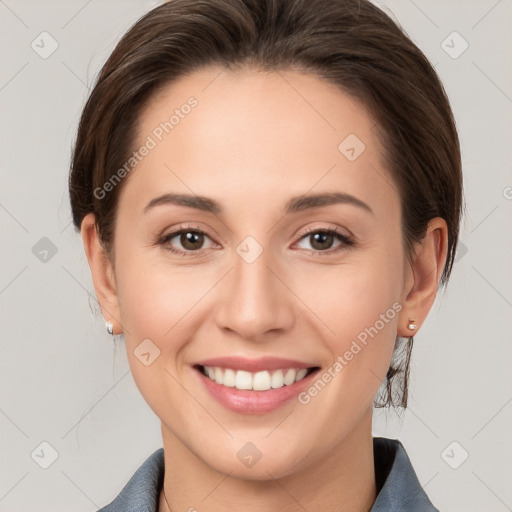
<point x="263" y="380"/>
<point x="248" y="385"/>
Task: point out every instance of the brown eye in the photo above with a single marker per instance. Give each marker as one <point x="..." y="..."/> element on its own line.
<point x="191" y="240"/>
<point x="185" y="241"/>
<point x="321" y="240"/>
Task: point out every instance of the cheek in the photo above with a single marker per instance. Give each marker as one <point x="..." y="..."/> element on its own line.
<point x="358" y="305"/>
<point x="155" y="296"/>
<point x="156" y="303"/>
<point x="351" y="296"/>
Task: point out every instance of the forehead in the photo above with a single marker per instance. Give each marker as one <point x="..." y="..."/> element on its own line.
<point x="223" y="134"/>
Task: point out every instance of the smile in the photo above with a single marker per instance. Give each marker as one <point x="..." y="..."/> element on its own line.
<point x="255" y="381"/>
<point x="248" y="385"/>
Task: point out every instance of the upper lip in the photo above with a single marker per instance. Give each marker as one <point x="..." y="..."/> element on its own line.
<point x="253" y="365"/>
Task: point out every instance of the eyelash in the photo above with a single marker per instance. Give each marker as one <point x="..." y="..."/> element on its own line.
<point x="347" y="242"/>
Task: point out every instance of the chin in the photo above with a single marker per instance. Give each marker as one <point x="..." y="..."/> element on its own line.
<point x="249" y="463"/>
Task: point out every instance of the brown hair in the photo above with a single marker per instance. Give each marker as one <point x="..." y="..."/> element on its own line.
<point x="350" y="43"/>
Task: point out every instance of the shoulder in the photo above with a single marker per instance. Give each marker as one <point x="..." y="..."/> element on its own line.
<point x="141" y="493"/>
<point x="398" y="487"/>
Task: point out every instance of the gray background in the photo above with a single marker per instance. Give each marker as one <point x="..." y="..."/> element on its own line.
<point x="65" y="382"/>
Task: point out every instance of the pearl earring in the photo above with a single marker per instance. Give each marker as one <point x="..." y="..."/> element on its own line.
<point x="412" y="326"/>
<point x="110" y="327"/>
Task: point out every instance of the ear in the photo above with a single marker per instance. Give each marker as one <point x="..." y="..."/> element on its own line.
<point x="102" y="272"/>
<point x="424" y="276"/>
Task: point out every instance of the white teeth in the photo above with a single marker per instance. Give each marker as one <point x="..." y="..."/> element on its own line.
<point x="243" y="380"/>
<point x="289" y="377"/>
<point x="261" y="381"/>
<point x="258" y="381"/>
<point x="277" y="379"/>
<point x="219" y="376"/>
<point x="301" y="374"/>
<point x="229" y="378"/>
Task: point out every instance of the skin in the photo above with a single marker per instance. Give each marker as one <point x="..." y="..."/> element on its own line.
<point x="252" y="143"/>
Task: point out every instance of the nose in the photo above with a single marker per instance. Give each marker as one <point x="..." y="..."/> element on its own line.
<point x="255" y="304"/>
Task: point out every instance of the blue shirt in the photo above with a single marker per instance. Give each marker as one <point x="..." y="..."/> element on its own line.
<point x="398" y="488"/>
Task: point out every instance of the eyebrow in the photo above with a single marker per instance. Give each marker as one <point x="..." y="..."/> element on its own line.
<point x="295" y="204"/>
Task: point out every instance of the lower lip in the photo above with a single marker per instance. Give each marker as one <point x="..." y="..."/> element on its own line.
<point x="250" y="401"/>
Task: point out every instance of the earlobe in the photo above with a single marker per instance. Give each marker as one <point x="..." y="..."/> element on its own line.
<point x="425" y="276"/>
<point x="102" y="272"/>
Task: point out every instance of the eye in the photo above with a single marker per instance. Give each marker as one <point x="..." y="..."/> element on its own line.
<point x="321" y="240"/>
<point x="190" y="239"/>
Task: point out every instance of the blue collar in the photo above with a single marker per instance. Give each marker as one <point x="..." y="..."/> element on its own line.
<point x="398" y="488"/>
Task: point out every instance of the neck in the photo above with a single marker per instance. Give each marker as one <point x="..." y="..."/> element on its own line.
<point x="343" y="480"/>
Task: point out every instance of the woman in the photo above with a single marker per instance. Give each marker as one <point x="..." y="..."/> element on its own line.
<point x="224" y="144"/>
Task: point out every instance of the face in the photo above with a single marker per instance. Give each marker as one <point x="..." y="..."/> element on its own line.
<point x="255" y="285"/>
